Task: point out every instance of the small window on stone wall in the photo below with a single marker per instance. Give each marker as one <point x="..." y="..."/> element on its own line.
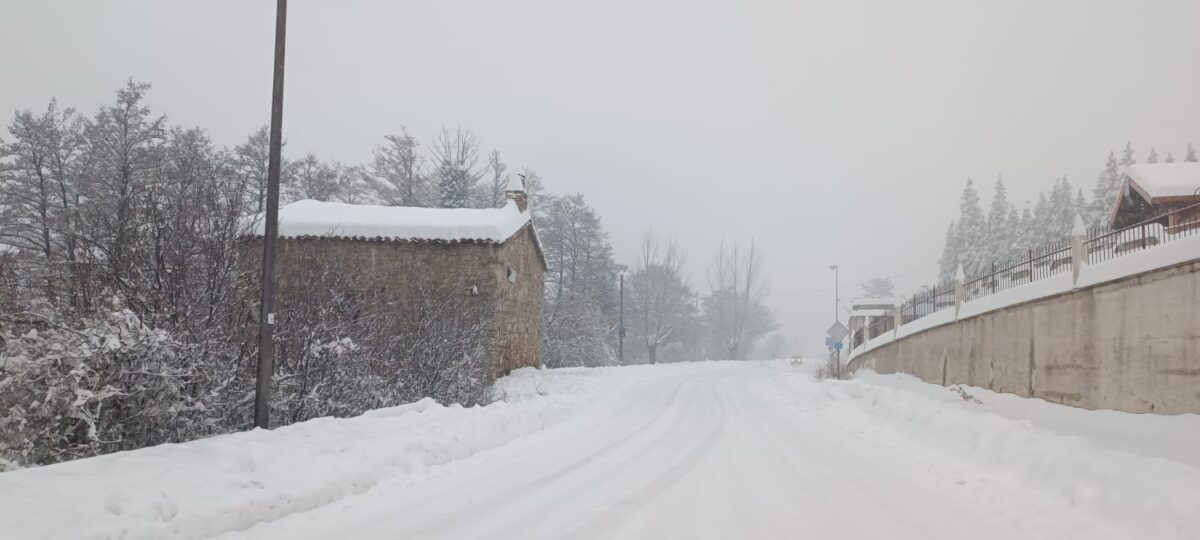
<point x="512" y="275"/>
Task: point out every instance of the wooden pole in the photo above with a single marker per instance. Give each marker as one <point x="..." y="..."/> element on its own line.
<point x="266" y="320"/>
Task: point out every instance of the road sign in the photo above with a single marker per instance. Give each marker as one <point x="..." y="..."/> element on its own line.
<point x="837" y="346"/>
<point x="838" y="331"/>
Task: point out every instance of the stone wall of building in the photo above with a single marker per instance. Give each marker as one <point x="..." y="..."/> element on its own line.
<point x="396" y="272"/>
<point x="519" y="312"/>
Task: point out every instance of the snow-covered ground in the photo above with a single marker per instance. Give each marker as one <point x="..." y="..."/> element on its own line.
<point x="708" y="450"/>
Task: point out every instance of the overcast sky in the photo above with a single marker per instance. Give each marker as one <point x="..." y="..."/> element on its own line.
<point x="832" y="132"/>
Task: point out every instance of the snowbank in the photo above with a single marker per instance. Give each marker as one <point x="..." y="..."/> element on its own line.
<point x="1138" y="470"/>
<point x="230" y="482"/>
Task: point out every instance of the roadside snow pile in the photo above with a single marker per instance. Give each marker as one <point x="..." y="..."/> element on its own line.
<point x="1141" y="470"/>
<point x="231" y="482"/>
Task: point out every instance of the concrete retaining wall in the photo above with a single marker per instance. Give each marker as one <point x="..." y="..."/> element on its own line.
<point x="1131" y="345"/>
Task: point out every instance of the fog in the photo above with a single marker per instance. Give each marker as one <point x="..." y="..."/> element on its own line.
<point x="830" y="132"/>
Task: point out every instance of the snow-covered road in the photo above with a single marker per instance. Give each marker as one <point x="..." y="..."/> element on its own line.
<point x="728" y="451"/>
<point x="703" y="450"/>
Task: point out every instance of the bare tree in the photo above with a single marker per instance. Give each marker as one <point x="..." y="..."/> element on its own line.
<point x="660" y="298"/>
<point x="397" y="172"/>
<point x="735" y="311"/>
<point x="456" y="173"/>
<point x="311" y="178"/>
<point x="494" y="196"/>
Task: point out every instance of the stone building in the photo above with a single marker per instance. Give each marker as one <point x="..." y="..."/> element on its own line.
<point x="476" y="257"/>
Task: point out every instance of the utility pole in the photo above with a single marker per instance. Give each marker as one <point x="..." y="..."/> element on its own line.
<point x="621" y="325"/>
<point x="266" y="319"/>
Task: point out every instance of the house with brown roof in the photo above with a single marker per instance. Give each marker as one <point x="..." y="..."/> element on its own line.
<point x="1154" y="190"/>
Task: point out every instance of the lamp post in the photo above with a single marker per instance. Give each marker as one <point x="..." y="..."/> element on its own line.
<point x="837" y="353"/>
<point x="266" y="319"/>
<point x="836" y="299"/>
<point x="621" y="325"/>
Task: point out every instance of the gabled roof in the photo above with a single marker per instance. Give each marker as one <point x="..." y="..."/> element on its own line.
<point x="1164" y="180"/>
<point x="317" y="219"/>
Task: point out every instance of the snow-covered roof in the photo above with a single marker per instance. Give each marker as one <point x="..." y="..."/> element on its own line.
<point x="317" y="219"/>
<point x="1158" y="180"/>
<point x="864" y="312"/>
<point x="873" y="302"/>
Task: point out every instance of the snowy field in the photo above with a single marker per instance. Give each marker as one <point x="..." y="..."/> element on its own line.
<point x="702" y="450"/>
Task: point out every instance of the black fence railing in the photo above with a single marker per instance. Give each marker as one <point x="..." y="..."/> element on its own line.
<point x="1021" y="268"/>
<point x="928" y="301"/>
<point x="1169" y="227"/>
<point x="881" y="325"/>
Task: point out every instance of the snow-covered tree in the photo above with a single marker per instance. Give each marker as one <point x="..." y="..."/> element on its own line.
<point x="878" y="288"/>
<point x="1105" y="193"/>
<point x="951" y="253"/>
<point x="1170" y="158"/>
<point x="1153" y="156"/>
<point x="972" y="231"/>
<point x="1001" y="232"/>
<point x="1127" y="158"/>
<point x="579" y="320"/>
<point x="1191" y="154"/>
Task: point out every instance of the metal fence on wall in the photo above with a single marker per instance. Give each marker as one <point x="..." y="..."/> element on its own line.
<point x="1054" y="258"/>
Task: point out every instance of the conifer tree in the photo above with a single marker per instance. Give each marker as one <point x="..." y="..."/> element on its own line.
<point x="1107" y="186"/>
<point x="1000" y="229"/>
<point x="1153" y="157"/>
<point x="1191" y="153"/>
<point x="972" y="231"/>
<point x="951" y="252"/>
<point x="1170" y="158"/>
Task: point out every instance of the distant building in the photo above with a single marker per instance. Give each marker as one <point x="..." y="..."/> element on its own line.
<point x="869" y="318"/>
<point x="1156" y="189"/>
<point x="401" y="254"/>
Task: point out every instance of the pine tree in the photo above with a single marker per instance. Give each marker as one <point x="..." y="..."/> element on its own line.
<point x="1170" y="158"/>
<point x="972" y="231"/>
<point x="951" y="253"/>
<point x="1039" y="222"/>
<point x="1025" y="230"/>
<point x="1127" y="156"/>
<point x="1107" y="186"/>
<point x="1191" y="153"/>
<point x="1000" y="229"/>
<point x="1061" y="211"/>
<point x="1153" y="157"/>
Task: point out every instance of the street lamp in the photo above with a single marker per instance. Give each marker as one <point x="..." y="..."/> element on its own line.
<point x="836" y="299"/>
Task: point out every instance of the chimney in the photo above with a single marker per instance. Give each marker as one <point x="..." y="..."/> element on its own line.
<point x="517" y="194"/>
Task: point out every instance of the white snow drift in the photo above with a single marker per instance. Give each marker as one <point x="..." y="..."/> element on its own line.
<point x="703" y="450"/>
